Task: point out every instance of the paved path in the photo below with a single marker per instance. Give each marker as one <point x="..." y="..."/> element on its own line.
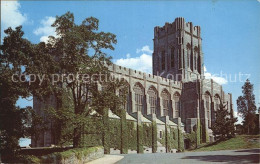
<point x="226" y="156"/>
<point x="107" y="159"/>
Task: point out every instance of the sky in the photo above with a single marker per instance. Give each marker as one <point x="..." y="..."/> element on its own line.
<point x="230" y="32"/>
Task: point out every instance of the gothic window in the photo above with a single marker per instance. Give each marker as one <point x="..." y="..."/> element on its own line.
<point x="163" y="60"/>
<point x="208" y="104"/>
<point x="165" y="102"/>
<point x="217" y="102"/>
<point x="177" y="104"/>
<point x="179" y="59"/>
<point x="189" y="55"/>
<point x="183" y="59"/>
<point x="199" y="64"/>
<point x="126" y="104"/>
<point x="152" y="99"/>
<point x="195" y="60"/>
<point x="139" y="96"/>
<point x="172" y="57"/>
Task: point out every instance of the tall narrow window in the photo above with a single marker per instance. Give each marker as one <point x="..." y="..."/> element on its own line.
<point x="126" y="104"/>
<point x="166" y="102"/>
<point x="163" y="60"/>
<point x="199" y="64"/>
<point x="195" y="61"/>
<point x="139" y="96"/>
<point x="152" y="100"/>
<point x="177" y="105"/>
<point x="183" y="59"/>
<point x="172" y="57"/>
<point x="188" y="58"/>
<point x="208" y="104"/>
<point x="179" y="58"/>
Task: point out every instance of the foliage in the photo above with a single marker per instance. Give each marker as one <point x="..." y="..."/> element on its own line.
<point x="180" y="140"/>
<point x="13" y="119"/>
<point x="198" y="133"/>
<point x="147" y="135"/>
<point x="246" y="106"/>
<point x="192" y="138"/>
<point x="76" y="51"/>
<point x="124" y="133"/>
<point x="132" y="135"/>
<point x="172" y="138"/>
<point x="115" y="133"/>
<point x="224" y="125"/>
<point x="57" y="157"/>
<point x="140" y="144"/>
<point x="154" y="137"/>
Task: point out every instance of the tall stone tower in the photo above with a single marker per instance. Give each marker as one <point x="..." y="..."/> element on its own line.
<point x="178" y="51"/>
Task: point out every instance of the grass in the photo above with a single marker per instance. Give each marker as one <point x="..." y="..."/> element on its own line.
<point x="239" y="142"/>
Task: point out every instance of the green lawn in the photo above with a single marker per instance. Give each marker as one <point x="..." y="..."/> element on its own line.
<point x="239" y="142"/>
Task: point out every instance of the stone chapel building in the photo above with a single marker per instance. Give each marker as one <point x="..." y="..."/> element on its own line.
<point x="177" y="92"/>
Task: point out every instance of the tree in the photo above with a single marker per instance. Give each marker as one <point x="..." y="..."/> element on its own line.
<point x="246" y="106"/>
<point x="12" y="118"/>
<point x="224" y="125"/>
<point x="79" y="52"/>
<point x="74" y="62"/>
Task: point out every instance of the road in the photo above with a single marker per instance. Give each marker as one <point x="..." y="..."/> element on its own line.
<point x="226" y="156"/>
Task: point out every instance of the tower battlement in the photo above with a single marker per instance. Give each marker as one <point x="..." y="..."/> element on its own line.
<point x="178" y="24"/>
<point x="178" y="51"/>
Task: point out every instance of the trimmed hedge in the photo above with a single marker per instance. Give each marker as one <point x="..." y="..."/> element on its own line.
<point x="140" y="148"/>
<point x="132" y="135"/>
<point x="154" y="137"/>
<point x="198" y="133"/>
<point x="172" y="139"/>
<point x="58" y="157"/>
<point x="181" y="140"/>
<point x="147" y="135"/>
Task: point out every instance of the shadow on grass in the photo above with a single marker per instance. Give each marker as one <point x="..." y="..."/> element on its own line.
<point x="232" y="159"/>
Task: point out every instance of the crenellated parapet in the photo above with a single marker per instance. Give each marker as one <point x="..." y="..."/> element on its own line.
<point x="179" y="24"/>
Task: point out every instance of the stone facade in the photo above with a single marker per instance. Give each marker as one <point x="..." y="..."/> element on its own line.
<point x="180" y="94"/>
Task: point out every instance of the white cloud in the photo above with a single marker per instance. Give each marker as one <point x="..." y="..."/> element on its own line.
<point x="46" y="30"/>
<point x="216" y="78"/>
<point x="142" y="63"/>
<point x="145" y="49"/>
<point x="239" y="118"/>
<point x="11" y="16"/>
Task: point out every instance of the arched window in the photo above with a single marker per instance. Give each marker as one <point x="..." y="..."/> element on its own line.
<point x="179" y="58"/>
<point x="126" y="104"/>
<point x="163" y="60"/>
<point x="208" y="106"/>
<point x="188" y="55"/>
<point x="152" y="100"/>
<point x="217" y="102"/>
<point x="196" y="58"/>
<point x="172" y="57"/>
<point x="199" y="64"/>
<point x="177" y="104"/>
<point x="165" y="102"/>
<point x="139" y="97"/>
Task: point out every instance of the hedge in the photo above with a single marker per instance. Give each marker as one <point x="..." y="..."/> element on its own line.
<point x="57" y="157"/>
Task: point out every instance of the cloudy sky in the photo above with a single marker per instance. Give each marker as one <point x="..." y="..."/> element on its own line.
<point x="230" y="32"/>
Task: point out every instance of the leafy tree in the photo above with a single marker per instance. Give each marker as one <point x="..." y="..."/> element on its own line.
<point x="246" y="106"/>
<point x="79" y="52"/>
<point x="224" y="125"/>
<point x="12" y="118"/>
<point x="74" y="62"/>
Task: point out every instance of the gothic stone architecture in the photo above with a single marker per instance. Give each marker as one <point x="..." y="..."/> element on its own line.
<point x="177" y="94"/>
